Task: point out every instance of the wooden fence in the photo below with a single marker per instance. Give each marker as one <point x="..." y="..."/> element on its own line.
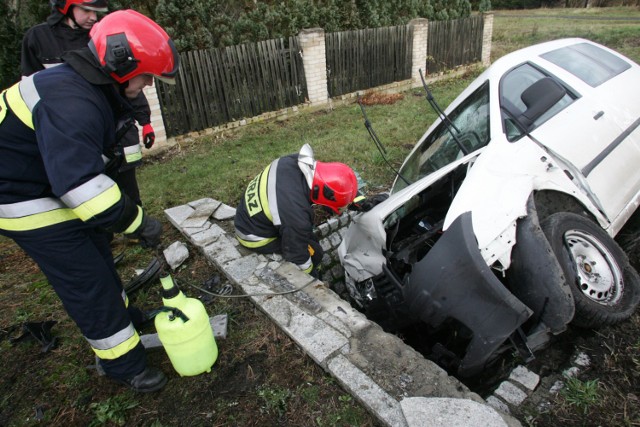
<point x="453" y="43"/>
<point x="363" y="59"/>
<point x="218" y="86"/>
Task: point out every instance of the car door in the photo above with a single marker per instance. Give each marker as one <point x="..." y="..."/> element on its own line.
<point x="584" y="127"/>
<point x="603" y="123"/>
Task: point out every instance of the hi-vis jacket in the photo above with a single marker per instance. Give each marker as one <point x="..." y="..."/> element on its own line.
<point x="277" y="204"/>
<point x="55" y="129"/>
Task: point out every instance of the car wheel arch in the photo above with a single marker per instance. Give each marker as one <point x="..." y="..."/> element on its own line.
<point x="535" y="276"/>
<point x="548" y="202"/>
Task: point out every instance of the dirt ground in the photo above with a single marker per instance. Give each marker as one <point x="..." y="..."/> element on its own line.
<point x="260" y="376"/>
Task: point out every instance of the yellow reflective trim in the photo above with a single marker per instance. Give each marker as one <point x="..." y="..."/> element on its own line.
<point x="132" y="153"/>
<point x="253" y="245"/>
<point x="308" y="270"/>
<point x="264" y="200"/>
<point x="39" y="220"/>
<point x="18" y="106"/>
<point x="136" y="222"/>
<point x="3" y="106"/>
<point x="98" y="204"/>
<point x="131" y="158"/>
<point x="125" y="298"/>
<point x="119" y="350"/>
<point x="251" y="198"/>
<point x="255" y="197"/>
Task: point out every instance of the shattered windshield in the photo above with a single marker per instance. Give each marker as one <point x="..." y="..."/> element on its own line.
<point x="471" y="129"/>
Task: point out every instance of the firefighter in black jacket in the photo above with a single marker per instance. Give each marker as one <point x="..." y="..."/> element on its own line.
<point x="276" y="213"/>
<point x="66" y="29"/>
<point x="57" y="131"/>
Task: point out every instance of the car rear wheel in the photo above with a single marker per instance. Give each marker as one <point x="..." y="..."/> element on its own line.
<point x="605" y="288"/>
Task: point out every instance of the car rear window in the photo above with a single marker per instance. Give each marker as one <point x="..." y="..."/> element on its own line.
<point x="589" y="63"/>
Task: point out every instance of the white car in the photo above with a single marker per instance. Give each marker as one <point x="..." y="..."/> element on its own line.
<point x="499" y="228"/>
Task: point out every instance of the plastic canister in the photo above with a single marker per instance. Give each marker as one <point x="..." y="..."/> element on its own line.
<point x="185" y="331"/>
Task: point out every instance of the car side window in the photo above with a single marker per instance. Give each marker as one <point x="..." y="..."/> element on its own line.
<point x="512" y="86"/>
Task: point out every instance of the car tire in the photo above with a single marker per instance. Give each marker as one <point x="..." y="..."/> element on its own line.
<point x="605" y="288"/>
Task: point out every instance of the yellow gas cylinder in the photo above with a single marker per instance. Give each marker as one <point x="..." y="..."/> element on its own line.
<point x="185" y="332"/>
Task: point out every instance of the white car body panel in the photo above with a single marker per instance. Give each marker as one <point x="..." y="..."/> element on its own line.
<point x="504" y="174"/>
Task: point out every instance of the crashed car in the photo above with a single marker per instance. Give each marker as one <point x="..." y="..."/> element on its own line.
<point x="499" y="228"/>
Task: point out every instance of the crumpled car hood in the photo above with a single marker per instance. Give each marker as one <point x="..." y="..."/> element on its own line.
<point x="495" y="190"/>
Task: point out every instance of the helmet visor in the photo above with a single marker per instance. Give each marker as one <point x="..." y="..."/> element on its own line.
<point x="93" y="8"/>
<point x="170" y="76"/>
<point x="93" y="5"/>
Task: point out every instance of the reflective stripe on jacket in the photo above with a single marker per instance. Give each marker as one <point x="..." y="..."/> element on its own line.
<point x="51" y="157"/>
<point x="21" y="98"/>
<point x="277" y="204"/>
<point x="133" y="153"/>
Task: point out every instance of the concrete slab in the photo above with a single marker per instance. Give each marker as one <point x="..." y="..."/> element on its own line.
<point x="224" y="212"/>
<point x="317" y="338"/>
<point x="444" y="411"/>
<point x="175" y="254"/>
<point x="385" y="407"/>
<point x="178" y="215"/>
<point x="394" y="382"/>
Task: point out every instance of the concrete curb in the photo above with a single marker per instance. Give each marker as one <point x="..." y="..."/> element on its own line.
<point x="394" y="382"/>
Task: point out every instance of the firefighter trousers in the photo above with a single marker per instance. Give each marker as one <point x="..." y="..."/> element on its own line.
<point x="78" y="263"/>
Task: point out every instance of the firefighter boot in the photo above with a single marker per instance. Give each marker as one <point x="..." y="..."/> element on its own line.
<point x="149" y="380"/>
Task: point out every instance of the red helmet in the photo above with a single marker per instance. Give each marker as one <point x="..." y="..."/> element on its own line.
<point x="95" y="5"/>
<point x="128" y="44"/>
<point x="334" y="185"/>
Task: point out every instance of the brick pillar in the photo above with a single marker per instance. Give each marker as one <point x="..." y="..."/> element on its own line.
<point x="487" y="34"/>
<point x="420" y="28"/>
<point x="314" y="59"/>
<point x="156" y="118"/>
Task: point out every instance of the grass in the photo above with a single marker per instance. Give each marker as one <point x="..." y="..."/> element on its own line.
<point x="610" y="26"/>
<point x="221" y="166"/>
<point x="113" y="410"/>
<point x="245" y="388"/>
<point x="581" y="394"/>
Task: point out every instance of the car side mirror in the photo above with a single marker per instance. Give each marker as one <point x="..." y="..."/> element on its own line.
<point x="539" y="98"/>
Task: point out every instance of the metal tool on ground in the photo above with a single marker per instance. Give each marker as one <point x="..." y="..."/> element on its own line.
<point x="183" y="328"/>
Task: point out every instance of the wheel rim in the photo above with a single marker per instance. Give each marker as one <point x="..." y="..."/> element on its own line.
<point x="598" y="275"/>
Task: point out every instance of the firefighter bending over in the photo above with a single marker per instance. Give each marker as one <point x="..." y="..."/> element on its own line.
<point x="276" y="213"/>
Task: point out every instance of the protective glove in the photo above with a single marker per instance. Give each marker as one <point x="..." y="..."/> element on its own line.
<point x="369" y="203"/>
<point x="148" y="135"/>
<point x="149" y="232"/>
